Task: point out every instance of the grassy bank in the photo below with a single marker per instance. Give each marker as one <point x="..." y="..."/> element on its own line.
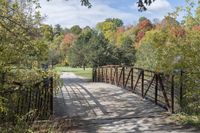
<point x="87" y="73"/>
<point x="191" y="120"/>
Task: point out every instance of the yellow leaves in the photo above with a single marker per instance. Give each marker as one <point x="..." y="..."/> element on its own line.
<point x="171" y="48"/>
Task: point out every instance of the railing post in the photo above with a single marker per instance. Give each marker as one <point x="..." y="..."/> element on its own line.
<point x="51" y="95"/>
<point x="116" y="75"/>
<point x="106" y="74"/>
<point x="181" y="89"/>
<point x="142" y="84"/>
<point x="102" y="75"/>
<point x="93" y="74"/>
<point x="98" y="70"/>
<point x="156" y="89"/>
<point x="110" y="74"/>
<point x="123" y="76"/>
<point x="172" y="93"/>
<point x="132" y="79"/>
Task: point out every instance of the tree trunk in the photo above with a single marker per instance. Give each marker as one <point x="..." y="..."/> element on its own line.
<point x="84" y="67"/>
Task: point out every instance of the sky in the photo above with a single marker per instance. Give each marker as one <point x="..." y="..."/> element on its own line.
<point x="70" y="12"/>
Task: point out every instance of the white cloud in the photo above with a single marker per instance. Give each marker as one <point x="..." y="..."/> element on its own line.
<point x="159" y="9"/>
<point x="69" y="13"/>
<point x="159" y="5"/>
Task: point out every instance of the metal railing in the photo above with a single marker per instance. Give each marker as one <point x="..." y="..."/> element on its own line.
<point x="164" y="90"/>
<point x="34" y="102"/>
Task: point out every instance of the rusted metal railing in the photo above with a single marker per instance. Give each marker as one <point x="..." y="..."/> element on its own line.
<point x="164" y="90"/>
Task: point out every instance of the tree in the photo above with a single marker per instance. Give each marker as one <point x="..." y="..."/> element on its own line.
<point x="66" y="44"/>
<point x="143" y="26"/>
<point x="90" y="48"/>
<point x="141" y="4"/>
<point x="22" y="47"/>
<point x="98" y="53"/>
<point x="76" y="29"/>
<point x="109" y="27"/>
<point x="126" y="52"/>
<point x="47" y="32"/>
<point x="55" y="54"/>
<point x="20" y="37"/>
<point x="58" y="29"/>
<point x="86" y="3"/>
<point x="142" y="19"/>
<point x="77" y="53"/>
<point x="156" y="21"/>
<point x="169" y="21"/>
<point x="86" y="28"/>
<point x="119" y="35"/>
<point x="66" y="30"/>
<point x="117" y="22"/>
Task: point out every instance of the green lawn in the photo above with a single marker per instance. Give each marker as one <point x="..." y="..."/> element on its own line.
<point x="87" y="73"/>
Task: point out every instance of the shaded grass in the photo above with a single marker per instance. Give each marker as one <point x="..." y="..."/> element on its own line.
<point x="87" y="73"/>
<point x="185" y="119"/>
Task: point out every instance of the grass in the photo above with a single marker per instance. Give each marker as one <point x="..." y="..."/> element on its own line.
<point x="191" y="120"/>
<point x="87" y="73"/>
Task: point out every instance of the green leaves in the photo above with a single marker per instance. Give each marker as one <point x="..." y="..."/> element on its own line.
<point x="19" y="35"/>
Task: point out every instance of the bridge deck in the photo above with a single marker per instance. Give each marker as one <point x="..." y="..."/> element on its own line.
<point x="100" y="107"/>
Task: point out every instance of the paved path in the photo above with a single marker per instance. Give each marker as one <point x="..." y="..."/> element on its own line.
<point x="100" y="107"/>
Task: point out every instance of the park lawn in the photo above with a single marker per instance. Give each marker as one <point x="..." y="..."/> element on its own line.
<point x="87" y="73"/>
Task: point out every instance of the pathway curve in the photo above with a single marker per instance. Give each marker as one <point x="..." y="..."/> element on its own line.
<point x="100" y="107"/>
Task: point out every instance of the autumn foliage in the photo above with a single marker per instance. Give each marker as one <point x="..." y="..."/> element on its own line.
<point x="69" y="38"/>
<point x="196" y="28"/>
<point x="145" y="25"/>
<point x="177" y="31"/>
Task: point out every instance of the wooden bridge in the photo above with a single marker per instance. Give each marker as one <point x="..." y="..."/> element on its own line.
<point x="102" y="107"/>
<point x="120" y="99"/>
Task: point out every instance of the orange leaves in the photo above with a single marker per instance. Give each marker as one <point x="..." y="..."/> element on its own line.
<point x="196" y="28"/>
<point x="67" y="41"/>
<point x="68" y="38"/>
<point x="140" y="35"/>
<point x="177" y="31"/>
<point x="145" y="25"/>
<point x="118" y="35"/>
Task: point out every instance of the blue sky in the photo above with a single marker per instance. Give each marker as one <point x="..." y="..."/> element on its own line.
<point x="69" y="13"/>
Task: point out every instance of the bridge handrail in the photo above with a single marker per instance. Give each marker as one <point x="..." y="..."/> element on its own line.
<point x="166" y="86"/>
